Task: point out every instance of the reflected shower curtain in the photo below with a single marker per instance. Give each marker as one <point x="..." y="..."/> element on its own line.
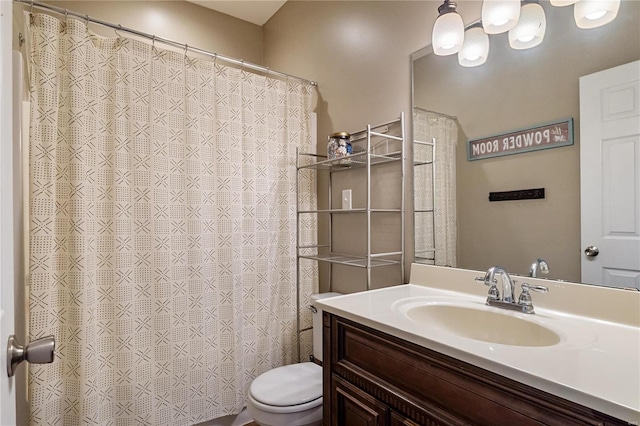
<point x="162" y="228"/>
<point x="441" y="227"/>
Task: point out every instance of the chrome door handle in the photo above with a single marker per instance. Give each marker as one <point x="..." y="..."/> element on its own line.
<point x="591" y="251"/>
<point x="39" y="351"/>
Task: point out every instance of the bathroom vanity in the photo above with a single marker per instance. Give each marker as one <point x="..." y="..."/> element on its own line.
<point x="372" y="378"/>
<point x="384" y="366"/>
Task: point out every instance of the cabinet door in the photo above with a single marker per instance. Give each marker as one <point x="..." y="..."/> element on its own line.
<point x="353" y="407"/>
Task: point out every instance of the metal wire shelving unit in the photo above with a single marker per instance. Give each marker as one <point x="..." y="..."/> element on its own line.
<point x="380" y="144"/>
<point x="376" y="145"/>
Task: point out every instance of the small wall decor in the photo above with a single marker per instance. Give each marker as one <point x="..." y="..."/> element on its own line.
<point x="543" y="136"/>
<point x="522" y="194"/>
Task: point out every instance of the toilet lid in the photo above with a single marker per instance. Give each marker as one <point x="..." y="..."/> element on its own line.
<point x="289" y="385"/>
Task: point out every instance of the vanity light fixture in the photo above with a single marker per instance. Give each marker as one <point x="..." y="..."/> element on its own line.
<point x="499" y="16"/>
<point x="524" y="19"/>
<point x="529" y="32"/>
<point x="595" y="13"/>
<point x="448" y="31"/>
<point x="561" y="3"/>
<point x="475" y="49"/>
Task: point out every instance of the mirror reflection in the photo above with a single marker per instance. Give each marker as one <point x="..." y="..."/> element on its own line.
<point x="514" y="89"/>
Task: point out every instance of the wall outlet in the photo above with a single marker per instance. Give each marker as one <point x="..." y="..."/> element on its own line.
<point x="346" y="199"/>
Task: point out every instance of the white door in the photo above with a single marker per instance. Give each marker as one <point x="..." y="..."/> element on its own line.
<point x="7" y="385"/>
<point x="610" y="176"/>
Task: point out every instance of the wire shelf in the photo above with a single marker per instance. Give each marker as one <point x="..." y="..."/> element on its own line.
<point x="353" y="161"/>
<point x="350" y="211"/>
<point x="357" y="261"/>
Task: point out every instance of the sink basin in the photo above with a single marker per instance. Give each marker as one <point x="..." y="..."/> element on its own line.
<point x="483" y="324"/>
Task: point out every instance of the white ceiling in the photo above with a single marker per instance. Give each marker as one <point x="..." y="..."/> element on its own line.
<point x="255" y="11"/>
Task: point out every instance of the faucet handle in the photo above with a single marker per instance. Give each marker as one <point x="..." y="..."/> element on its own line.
<point x="525" y="298"/>
<point x="485" y="281"/>
<point x="538" y="288"/>
<point x="494" y="293"/>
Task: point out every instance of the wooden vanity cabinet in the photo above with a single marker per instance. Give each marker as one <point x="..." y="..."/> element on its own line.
<point x="374" y="379"/>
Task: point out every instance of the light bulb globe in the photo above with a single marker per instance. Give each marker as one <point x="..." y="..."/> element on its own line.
<point x="595" y="13"/>
<point x="475" y="49"/>
<point x="499" y="16"/>
<point x="530" y="29"/>
<point x="448" y="34"/>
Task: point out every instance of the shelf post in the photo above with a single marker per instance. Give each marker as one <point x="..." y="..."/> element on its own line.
<point x="298" y="258"/>
<point x="368" y="156"/>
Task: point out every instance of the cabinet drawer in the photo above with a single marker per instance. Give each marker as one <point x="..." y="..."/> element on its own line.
<point x="354" y="407"/>
<point x="446" y="390"/>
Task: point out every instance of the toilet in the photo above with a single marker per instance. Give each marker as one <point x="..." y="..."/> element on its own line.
<point x="291" y="395"/>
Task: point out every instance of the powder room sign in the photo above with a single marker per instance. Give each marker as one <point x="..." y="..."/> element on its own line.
<point x="544" y="136"/>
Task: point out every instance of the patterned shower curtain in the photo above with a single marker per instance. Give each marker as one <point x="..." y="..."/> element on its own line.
<point x="162" y="228"/>
<point x="441" y="197"/>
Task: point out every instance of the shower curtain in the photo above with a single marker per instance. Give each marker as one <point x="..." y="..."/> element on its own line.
<point x="162" y="228"/>
<point x="441" y="227"/>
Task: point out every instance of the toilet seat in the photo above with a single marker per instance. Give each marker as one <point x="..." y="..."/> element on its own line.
<point x="285" y="410"/>
<point x="291" y="388"/>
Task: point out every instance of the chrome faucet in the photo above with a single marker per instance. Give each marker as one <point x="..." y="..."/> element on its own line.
<point x="539" y="265"/>
<point x="506" y="295"/>
<point x="505" y="299"/>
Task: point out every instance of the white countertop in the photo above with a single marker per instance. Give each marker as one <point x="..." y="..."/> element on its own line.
<point x="596" y="364"/>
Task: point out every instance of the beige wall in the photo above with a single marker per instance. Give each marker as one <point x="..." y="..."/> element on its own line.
<point x="359" y="54"/>
<point x="520" y="89"/>
<point x="357" y="51"/>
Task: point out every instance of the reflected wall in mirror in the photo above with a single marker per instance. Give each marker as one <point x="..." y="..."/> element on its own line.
<point x="518" y="89"/>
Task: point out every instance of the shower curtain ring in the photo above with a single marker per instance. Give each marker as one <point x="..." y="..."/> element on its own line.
<point x="31" y="14"/>
<point x="116" y="30"/>
<point x="186" y="47"/>
<point x="64" y="24"/>
<point x="153" y="42"/>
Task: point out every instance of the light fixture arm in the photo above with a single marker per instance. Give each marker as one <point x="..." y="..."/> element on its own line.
<point x="475" y="24"/>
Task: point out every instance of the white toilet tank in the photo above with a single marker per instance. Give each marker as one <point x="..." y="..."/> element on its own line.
<point x="317" y="323"/>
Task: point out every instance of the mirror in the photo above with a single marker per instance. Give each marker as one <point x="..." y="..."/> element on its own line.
<point x="519" y="89"/>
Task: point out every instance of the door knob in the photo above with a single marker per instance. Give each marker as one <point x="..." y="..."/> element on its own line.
<point x="39" y="351"/>
<point x="591" y="251"/>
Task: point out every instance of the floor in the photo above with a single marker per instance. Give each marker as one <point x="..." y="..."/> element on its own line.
<point x="242" y="419"/>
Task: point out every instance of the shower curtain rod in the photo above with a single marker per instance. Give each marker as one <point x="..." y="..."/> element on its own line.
<point x="155" y="38"/>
